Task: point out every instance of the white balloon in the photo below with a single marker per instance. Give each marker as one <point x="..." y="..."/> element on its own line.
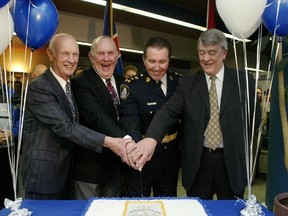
<point x="248" y="33"/>
<point x="11" y="3"/>
<point x="241" y="16"/>
<point x="7" y="28"/>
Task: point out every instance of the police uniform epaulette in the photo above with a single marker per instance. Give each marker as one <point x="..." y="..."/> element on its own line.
<point x="131" y="79"/>
<point x="124" y="88"/>
<point x="175" y="73"/>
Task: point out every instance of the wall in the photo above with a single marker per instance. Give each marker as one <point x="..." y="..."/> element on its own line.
<point x="85" y="29"/>
<point x="21" y="58"/>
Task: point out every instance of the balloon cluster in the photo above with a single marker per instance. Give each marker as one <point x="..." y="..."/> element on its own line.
<point x="243" y="17"/>
<point x="35" y="22"/>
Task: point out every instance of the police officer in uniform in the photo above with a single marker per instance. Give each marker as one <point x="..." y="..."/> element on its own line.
<point x="141" y="97"/>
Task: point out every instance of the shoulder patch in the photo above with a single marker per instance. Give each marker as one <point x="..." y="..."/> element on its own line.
<point x="124" y="91"/>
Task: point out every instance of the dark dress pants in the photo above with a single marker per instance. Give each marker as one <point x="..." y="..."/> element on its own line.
<point x="212" y="178"/>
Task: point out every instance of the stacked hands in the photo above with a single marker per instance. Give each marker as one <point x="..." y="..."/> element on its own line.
<point x="139" y="153"/>
<point x="131" y="153"/>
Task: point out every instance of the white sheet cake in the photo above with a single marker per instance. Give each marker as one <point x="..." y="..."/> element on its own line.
<point x="151" y="207"/>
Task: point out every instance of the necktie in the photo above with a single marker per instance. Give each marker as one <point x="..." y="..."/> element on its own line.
<point x="69" y="96"/>
<point x="213" y="133"/>
<point x="113" y="94"/>
<point x="159" y="83"/>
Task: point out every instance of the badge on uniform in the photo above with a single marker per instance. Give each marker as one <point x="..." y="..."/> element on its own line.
<point x="124" y="89"/>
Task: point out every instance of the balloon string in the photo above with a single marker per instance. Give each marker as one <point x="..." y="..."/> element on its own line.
<point x="9" y="100"/>
<point x="27" y="27"/>
<point x="242" y="111"/>
<point x="249" y="127"/>
<point x="22" y="112"/>
<point x="277" y="15"/>
<point x="258" y="58"/>
<point x="246" y="115"/>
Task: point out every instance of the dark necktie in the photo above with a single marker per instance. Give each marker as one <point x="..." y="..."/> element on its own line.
<point x="113" y="94"/>
<point x="213" y="133"/>
<point x="69" y="96"/>
<point x="159" y="83"/>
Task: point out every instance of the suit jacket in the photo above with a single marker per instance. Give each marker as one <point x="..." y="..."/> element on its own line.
<point x="97" y="111"/>
<point x="50" y="135"/>
<point x="192" y="100"/>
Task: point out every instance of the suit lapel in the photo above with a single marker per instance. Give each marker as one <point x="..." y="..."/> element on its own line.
<point x="201" y="85"/>
<point x="98" y="83"/>
<point x="171" y="85"/>
<point x="99" y="86"/>
<point x="155" y="89"/>
<point x="228" y="85"/>
<point x="101" y="91"/>
<point x="60" y="94"/>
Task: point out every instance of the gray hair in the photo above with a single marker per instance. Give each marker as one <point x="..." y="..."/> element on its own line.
<point x="213" y="37"/>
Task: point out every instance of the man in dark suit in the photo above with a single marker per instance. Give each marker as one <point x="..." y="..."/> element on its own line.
<point x="51" y="128"/>
<point x="98" y="174"/>
<point x="219" y="170"/>
<point x="141" y="97"/>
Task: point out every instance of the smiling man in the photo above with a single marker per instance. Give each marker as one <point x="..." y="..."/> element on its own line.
<point x="96" y="92"/>
<point x="210" y="97"/>
<point x="51" y="128"/>
<point x="141" y="97"/>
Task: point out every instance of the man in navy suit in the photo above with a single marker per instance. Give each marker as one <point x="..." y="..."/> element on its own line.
<point x="52" y="130"/>
<point x="208" y="171"/>
<point x="98" y="174"/>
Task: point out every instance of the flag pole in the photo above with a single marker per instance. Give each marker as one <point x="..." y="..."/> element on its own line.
<point x="111" y="19"/>
<point x="210" y="20"/>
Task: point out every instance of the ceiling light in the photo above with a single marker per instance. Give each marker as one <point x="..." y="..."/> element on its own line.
<point x="121" y="49"/>
<point x="148" y="14"/>
<point x="157" y="16"/>
<point x="255" y="70"/>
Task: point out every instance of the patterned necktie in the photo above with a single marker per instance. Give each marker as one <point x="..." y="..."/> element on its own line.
<point x="213" y="132"/>
<point x="69" y="96"/>
<point x="113" y="94"/>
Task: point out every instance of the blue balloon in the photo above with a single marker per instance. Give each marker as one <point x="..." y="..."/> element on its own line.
<point x="35" y="22"/>
<point x="3" y="2"/>
<point x="269" y="17"/>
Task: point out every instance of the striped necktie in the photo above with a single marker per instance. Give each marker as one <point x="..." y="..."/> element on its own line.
<point x="69" y="96"/>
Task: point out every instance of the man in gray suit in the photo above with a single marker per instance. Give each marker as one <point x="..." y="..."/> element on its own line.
<point x="208" y="170"/>
<point x="52" y="130"/>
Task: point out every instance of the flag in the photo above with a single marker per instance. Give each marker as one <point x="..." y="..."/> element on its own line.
<point x="211" y="21"/>
<point x="110" y="30"/>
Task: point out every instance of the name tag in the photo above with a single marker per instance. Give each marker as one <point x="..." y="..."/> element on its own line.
<point x="151" y="103"/>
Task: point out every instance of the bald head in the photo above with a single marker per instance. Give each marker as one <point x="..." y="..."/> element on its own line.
<point x="63" y="53"/>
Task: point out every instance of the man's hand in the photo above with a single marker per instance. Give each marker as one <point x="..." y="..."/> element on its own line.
<point x="118" y="146"/>
<point x="139" y="155"/>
